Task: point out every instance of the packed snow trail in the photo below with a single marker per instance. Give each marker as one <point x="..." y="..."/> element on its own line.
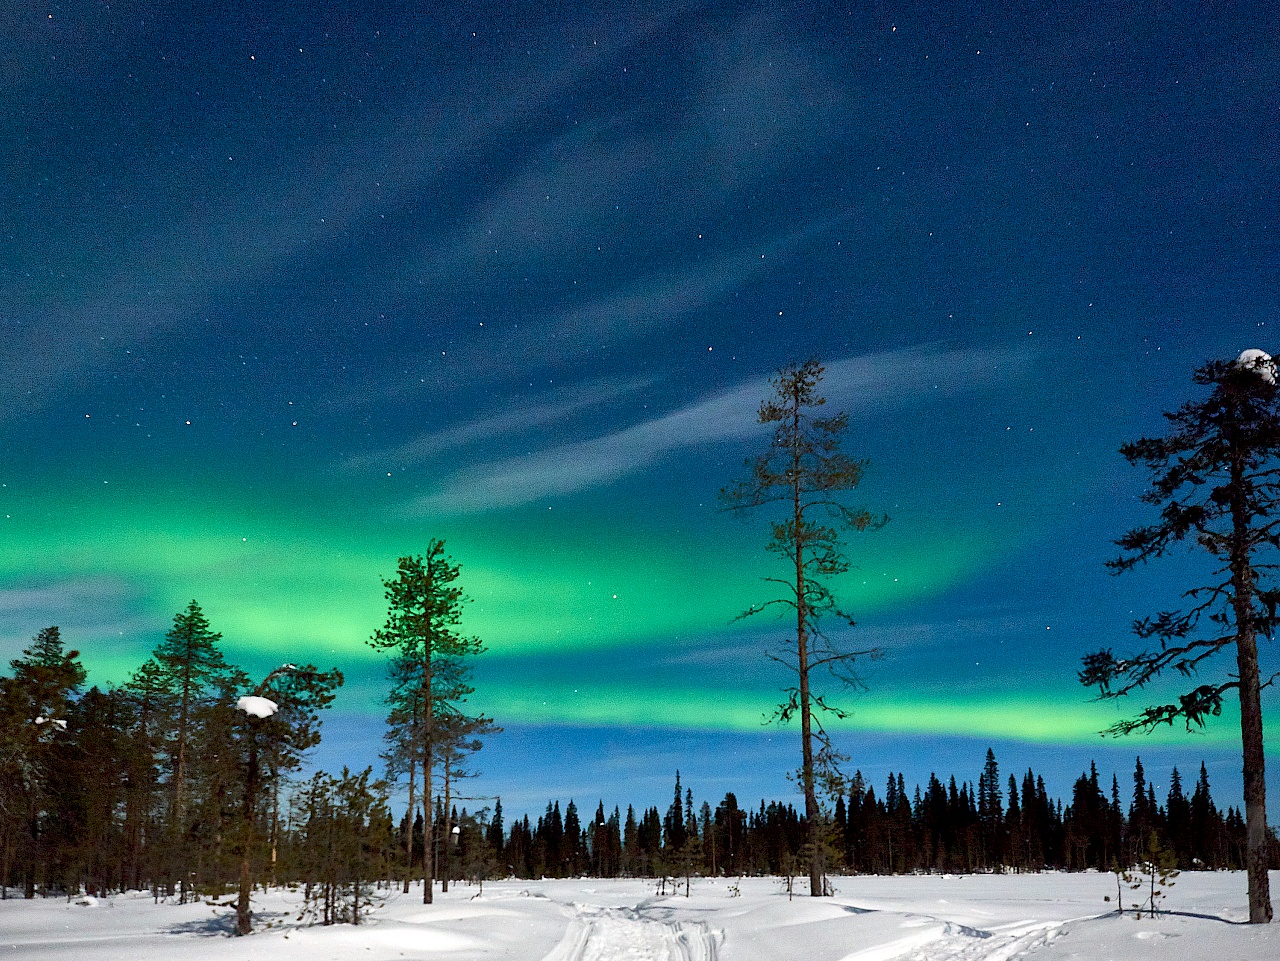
<point x="623" y="934"/>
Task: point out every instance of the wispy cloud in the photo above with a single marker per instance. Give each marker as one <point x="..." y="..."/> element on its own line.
<point x="565" y="404"/>
<point x="84" y="608"/>
<point x="157" y="286"/>
<point x="616" y="201"/>
<point x="856" y="385"/>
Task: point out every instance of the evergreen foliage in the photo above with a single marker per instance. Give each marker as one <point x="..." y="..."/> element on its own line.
<point x="937" y="829"/>
<point x="344" y="845"/>
<point x="35" y="708"/>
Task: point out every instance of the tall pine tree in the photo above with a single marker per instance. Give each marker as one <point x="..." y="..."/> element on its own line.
<point x="424" y="610"/>
<point x="803" y="475"/>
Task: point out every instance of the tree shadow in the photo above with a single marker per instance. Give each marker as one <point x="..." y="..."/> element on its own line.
<point x="1202" y="917"/>
<point x="224" y="925"/>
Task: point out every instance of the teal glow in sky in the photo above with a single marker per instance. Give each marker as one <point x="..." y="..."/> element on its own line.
<point x="279" y="306"/>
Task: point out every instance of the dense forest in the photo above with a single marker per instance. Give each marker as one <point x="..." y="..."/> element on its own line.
<point x="175" y="782"/>
<point x="951" y="827"/>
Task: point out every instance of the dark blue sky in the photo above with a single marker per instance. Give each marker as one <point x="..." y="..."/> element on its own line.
<point x="288" y="289"/>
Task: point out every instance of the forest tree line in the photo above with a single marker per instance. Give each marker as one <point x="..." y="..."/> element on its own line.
<point x="145" y="786"/>
<point x="944" y="827"/>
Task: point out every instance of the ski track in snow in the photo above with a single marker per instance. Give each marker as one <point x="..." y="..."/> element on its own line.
<point x="941" y="940"/>
<point x="624" y="934"/>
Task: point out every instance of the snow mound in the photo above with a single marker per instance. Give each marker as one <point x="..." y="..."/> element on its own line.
<point x="1260" y="362"/>
<point x="256" y="706"/>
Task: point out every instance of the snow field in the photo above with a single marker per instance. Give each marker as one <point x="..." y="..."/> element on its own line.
<point x="1045" y="917"/>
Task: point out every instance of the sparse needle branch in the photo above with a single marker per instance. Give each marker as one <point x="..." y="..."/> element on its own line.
<point x="803" y="474"/>
<point x="1216" y="481"/>
<point x="429" y="677"/>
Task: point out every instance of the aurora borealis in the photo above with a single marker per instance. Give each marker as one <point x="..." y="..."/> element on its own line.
<point x="288" y="289"/>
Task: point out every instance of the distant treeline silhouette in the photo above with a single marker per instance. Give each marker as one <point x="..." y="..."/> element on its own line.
<point x="951" y="827"/>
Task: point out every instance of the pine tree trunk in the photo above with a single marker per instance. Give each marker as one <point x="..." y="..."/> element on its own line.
<point x="811" y="811"/>
<point x="1255" y="784"/>
<point x="448" y="833"/>
<point x="428" y="816"/>
<point x="802" y="667"/>
<point x="244" y="917"/>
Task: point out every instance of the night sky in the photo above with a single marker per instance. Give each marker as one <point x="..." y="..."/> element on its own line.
<point x="286" y="290"/>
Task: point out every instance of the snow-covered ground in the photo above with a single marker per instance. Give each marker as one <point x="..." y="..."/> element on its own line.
<point x="996" y="918"/>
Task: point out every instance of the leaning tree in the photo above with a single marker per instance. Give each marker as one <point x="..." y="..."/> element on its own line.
<point x="270" y="730"/>
<point x="1216" y="479"/>
<point x="801" y="476"/>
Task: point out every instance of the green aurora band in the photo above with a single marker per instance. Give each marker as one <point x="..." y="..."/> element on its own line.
<point x="560" y="598"/>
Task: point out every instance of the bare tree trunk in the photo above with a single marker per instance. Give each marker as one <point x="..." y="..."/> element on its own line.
<point x="1255" y="783"/>
<point x="802" y="668"/>
<point x="408" y="840"/>
<point x="244" y="916"/>
<point x="448" y="833"/>
<point x="428" y="840"/>
<point x="428" y="819"/>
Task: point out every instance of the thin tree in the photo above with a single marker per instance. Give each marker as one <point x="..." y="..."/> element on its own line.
<point x="424" y="608"/>
<point x="404" y="744"/>
<point x="457" y="737"/>
<point x="1216" y="479"/>
<point x="803" y="474"/>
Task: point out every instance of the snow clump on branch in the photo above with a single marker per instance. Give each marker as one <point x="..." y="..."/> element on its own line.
<point x="1258" y="361"/>
<point x="256" y="706"/>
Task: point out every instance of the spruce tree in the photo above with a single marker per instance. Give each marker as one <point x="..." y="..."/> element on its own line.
<point x="673" y="828"/>
<point x="1204" y="826"/>
<point x="803" y="474"/>
<point x="494" y="832"/>
<point x="1178" y="821"/>
<point x="571" y="851"/>
<point x="1216" y="479"/>
<point x="991" y="812"/>
<point x="631" y="843"/>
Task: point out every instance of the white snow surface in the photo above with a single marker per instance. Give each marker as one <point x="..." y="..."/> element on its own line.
<point x="1258" y="361"/>
<point x="1044" y="917"/>
<point x="256" y="706"/>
